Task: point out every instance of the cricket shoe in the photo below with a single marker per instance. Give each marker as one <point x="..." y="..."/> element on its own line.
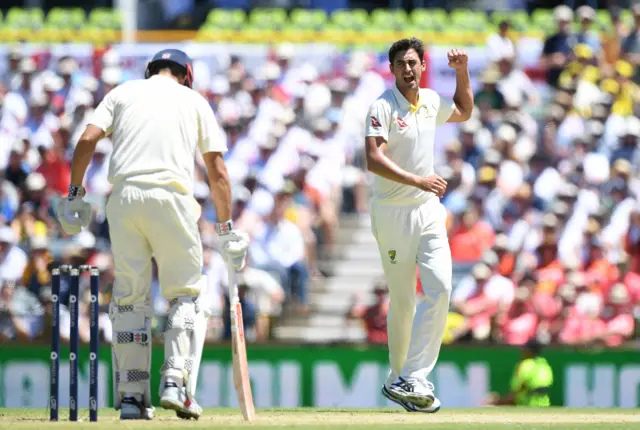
<point x="172" y="398"/>
<point x="190" y="408"/>
<point x="435" y="407"/>
<point x="413" y="391"/>
<point x="133" y="409"/>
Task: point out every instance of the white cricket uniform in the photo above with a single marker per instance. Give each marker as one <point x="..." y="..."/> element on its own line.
<point x="156" y="126"/>
<point x="410" y="227"/>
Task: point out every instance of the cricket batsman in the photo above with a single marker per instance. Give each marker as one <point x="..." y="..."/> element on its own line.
<point x="156" y="124"/>
<point x="407" y="218"/>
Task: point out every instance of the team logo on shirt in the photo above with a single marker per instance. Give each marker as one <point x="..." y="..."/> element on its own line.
<point x="374" y="122"/>
<point x="401" y="123"/>
<point x="392" y="256"/>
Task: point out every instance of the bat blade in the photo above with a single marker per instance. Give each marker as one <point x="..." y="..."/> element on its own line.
<point x="241" y="379"/>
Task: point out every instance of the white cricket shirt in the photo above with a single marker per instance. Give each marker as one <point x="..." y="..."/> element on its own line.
<point x="410" y="134"/>
<point x="156" y="126"/>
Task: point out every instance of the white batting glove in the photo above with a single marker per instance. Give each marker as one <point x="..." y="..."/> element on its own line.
<point x="233" y="243"/>
<point x="73" y="212"/>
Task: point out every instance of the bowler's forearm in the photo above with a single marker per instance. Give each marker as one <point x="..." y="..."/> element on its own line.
<point x="383" y="166"/>
<point x="463" y="97"/>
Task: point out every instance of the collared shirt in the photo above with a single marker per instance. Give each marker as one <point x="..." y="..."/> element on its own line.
<point x="410" y="134"/>
<point x="157" y="126"/>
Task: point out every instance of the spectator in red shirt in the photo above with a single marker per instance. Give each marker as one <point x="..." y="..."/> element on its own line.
<point x="55" y="169"/>
<point x="374" y="317"/>
<point x="618" y="316"/>
<point x="471" y="237"/>
<point x="632" y="240"/>
<point x="599" y="272"/>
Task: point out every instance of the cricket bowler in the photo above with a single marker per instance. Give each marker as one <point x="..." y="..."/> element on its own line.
<point x="156" y="124"/>
<point x="407" y="218"/>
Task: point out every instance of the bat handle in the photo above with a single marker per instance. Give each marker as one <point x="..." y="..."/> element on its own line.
<point x="233" y="286"/>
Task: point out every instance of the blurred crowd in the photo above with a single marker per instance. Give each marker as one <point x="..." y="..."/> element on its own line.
<point x="292" y="157"/>
<point x="545" y="211"/>
<point x="543" y="183"/>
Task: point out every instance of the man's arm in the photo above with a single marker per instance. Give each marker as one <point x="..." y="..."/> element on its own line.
<point x="83" y="153"/>
<point x="380" y="164"/>
<point x="219" y="183"/>
<point x="463" y="97"/>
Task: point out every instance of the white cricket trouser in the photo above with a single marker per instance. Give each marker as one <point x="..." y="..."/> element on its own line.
<point x="146" y="221"/>
<point x="406" y="235"/>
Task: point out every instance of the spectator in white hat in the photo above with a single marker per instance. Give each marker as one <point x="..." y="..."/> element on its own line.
<point x="11" y="77"/>
<point x="27" y="69"/>
<point x="588" y="36"/>
<point x="67" y="67"/>
<point x="514" y="80"/>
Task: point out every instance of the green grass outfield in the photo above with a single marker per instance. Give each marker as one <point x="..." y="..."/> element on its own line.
<point x="360" y="419"/>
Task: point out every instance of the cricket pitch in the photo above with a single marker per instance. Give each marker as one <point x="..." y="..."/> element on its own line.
<point x="360" y="419"/>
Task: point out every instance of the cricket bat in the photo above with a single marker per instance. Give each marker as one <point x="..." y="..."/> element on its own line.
<point x="239" y="350"/>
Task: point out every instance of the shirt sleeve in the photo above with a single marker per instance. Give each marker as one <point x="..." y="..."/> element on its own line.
<point x="210" y="136"/>
<point x="378" y="119"/>
<point x="445" y="109"/>
<point x="105" y="112"/>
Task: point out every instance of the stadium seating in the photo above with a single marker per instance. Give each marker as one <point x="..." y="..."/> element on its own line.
<point x="342" y="26"/>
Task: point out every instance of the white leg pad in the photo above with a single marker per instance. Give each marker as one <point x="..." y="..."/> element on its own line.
<point x="131" y="351"/>
<point x="178" y="339"/>
<point x="199" y="335"/>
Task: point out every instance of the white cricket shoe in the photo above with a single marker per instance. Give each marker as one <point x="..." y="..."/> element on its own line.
<point x="133" y="409"/>
<point x="171" y="397"/>
<point x="435" y="407"/>
<point x="413" y="391"/>
<point x="190" y="408"/>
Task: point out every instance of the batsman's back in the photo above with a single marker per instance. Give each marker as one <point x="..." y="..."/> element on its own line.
<point x="156" y="125"/>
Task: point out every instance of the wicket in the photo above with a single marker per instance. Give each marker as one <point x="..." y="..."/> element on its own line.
<point x="54" y="387"/>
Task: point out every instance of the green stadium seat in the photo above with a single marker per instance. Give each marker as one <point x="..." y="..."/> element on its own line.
<point x="603" y="20"/>
<point x="104" y="18"/>
<point x="268" y="19"/>
<point x="350" y="19"/>
<point x="543" y="20"/>
<point x="469" y="20"/>
<point x="24" y="19"/>
<point x="389" y="19"/>
<point x="519" y="19"/>
<point x="229" y="19"/>
<point x="66" y="18"/>
<point x="430" y="19"/>
<point x="306" y="19"/>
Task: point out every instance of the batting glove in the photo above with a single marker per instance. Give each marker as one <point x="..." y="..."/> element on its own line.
<point x="233" y="243"/>
<point x="73" y="212"/>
